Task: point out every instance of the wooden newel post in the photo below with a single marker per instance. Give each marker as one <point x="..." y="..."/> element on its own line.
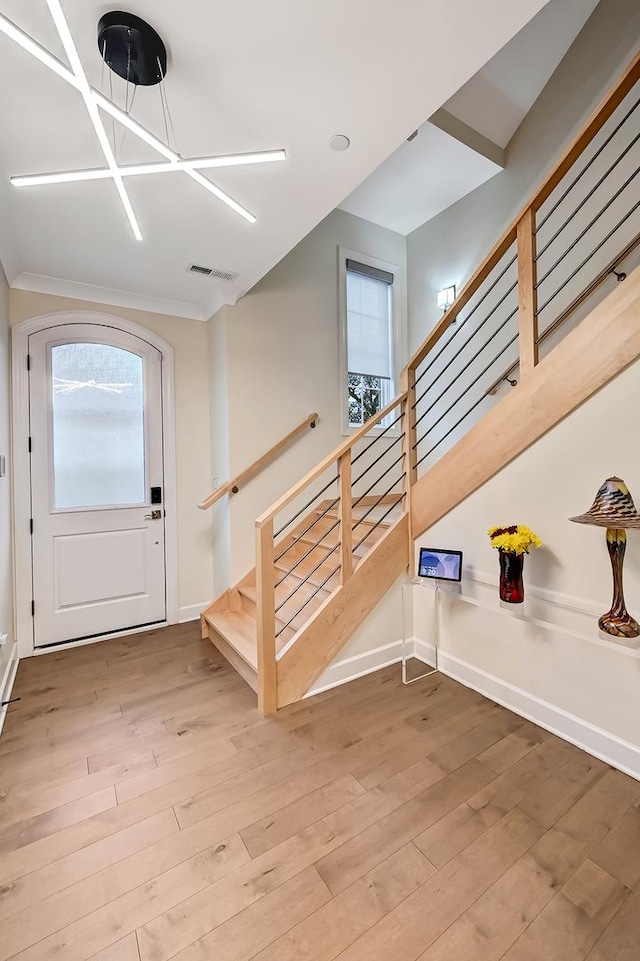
<point x="266" y="618"/>
<point x="527" y="293"/>
<point x="408" y="427"/>
<point x="346" y="524"/>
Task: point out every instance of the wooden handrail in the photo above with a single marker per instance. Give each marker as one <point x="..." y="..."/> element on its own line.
<point x="233" y="485"/>
<point x="334" y="456"/>
<point x="594" y="124"/>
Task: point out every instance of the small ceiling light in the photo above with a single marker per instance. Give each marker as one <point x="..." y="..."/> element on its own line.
<point x="446" y="297"/>
<point x="339" y="142"/>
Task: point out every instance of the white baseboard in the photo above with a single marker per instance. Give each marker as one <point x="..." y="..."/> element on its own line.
<point x="613" y="750"/>
<point x="348" y="669"/>
<point x="192" y="612"/>
<point x="423" y="651"/>
<point x="601" y="744"/>
<point x="7" y="682"/>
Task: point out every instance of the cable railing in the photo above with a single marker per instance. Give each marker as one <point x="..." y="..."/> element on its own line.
<point x="576" y="238"/>
<point x="310" y="543"/>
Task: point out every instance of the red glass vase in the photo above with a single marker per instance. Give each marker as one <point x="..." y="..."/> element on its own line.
<point x="511" y="586"/>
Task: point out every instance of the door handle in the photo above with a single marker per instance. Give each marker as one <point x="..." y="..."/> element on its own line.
<point x="153" y="516"/>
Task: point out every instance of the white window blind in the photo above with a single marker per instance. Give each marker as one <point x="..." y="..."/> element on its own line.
<point x="368" y="320"/>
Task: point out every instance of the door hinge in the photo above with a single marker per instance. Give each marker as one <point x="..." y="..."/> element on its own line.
<point x="31" y="525"/>
<point x="33" y="608"/>
<point x="29" y="445"/>
<point x="28" y="361"/>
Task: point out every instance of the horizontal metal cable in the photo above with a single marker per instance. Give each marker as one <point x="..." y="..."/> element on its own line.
<point x="299" y="536"/>
<point x="315" y="497"/>
<point x="594" y="220"/>
<point x="336" y="569"/>
<point x="373" y="506"/>
<point x="369" y="533"/>
<point x="589" y="195"/>
<point x="455" y="379"/>
<point x="468" y="341"/>
<point x="304" y="580"/>
<point x="377" y="480"/>
<point x="470" y="411"/>
<point x="376" y="439"/>
<point x="308" y="600"/>
<point x="586" y="167"/>
<point x="591" y="288"/>
<point x="588" y="258"/>
<point x="463" y="321"/>
<point x="304" y="556"/>
<point x="377" y="460"/>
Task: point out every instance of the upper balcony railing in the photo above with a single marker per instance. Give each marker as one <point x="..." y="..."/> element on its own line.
<point x="575" y="238"/>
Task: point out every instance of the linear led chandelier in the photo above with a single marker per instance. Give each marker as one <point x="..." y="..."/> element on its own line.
<point x="133" y="50"/>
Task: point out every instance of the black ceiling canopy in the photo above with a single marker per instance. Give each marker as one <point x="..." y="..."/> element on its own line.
<point x="132" y="48"/>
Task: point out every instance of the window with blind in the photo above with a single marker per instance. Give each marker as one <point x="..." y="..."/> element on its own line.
<point x="369" y="340"/>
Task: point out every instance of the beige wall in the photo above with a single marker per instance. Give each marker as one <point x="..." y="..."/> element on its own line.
<point x="189" y="341"/>
<point x="281" y="343"/>
<point x="596" y="680"/>
<point x="6" y="576"/>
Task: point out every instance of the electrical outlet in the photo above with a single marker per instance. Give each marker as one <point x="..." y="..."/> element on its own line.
<point x="3" y="639"/>
<point x="3" y="465"/>
<point x="216" y="482"/>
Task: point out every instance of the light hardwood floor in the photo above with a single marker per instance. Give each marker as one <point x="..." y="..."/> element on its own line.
<point x="149" y="812"/>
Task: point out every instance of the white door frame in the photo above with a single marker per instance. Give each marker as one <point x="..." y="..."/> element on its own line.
<point x="21" y="475"/>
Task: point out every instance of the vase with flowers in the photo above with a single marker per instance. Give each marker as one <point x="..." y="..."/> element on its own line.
<point x="512" y="543"/>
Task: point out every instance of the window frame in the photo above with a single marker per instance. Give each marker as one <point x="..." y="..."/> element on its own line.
<point x="398" y="330"/>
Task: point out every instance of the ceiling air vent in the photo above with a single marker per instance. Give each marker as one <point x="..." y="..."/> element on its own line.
<point x="226" y="275"/>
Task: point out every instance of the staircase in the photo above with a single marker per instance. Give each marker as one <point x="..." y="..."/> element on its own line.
<point x="541" y="325"/>
<point x="305" y="575"/>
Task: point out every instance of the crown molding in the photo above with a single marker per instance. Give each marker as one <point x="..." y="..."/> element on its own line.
<point x="41" y="284"/>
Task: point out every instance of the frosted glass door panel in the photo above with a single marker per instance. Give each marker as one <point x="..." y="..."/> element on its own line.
<point x="98" y="426"/>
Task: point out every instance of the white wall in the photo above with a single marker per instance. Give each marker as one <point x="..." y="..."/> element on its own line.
<point x="189" y="341"/>
<point x="593" y="677"/>
<point x="282" y="363"/>
<point x="7" y="652"/>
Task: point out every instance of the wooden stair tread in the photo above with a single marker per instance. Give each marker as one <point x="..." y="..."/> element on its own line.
<point x="305" y="592"/>
<point x="239" y="630"/>
<point x="316" y="557"/>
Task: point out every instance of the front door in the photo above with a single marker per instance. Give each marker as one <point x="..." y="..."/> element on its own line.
<point x="98" y="529"/>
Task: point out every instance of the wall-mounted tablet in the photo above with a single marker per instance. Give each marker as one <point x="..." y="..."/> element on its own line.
<point x="441" y="564"/>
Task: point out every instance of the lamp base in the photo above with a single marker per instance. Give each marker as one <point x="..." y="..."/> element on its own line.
<point x="618" y="621"/>
<point x="619" y="625"/>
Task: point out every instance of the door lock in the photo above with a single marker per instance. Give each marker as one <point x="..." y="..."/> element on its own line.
<point x="153" y="516"/>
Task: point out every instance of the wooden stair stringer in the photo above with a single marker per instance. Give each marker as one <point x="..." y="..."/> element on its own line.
<point x="591" y="355"/>
<point x="318" y="642"/>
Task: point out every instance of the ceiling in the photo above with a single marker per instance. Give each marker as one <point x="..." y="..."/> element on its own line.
<point x="241" y="77"/>
<point x="422" y="178"/>
<point x="428" y="174"/>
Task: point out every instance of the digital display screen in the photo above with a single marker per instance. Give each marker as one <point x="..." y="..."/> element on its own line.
<point x="444" y="565"/>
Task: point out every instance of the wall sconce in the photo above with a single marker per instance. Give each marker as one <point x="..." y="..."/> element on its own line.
<point x="446" y="297"/>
